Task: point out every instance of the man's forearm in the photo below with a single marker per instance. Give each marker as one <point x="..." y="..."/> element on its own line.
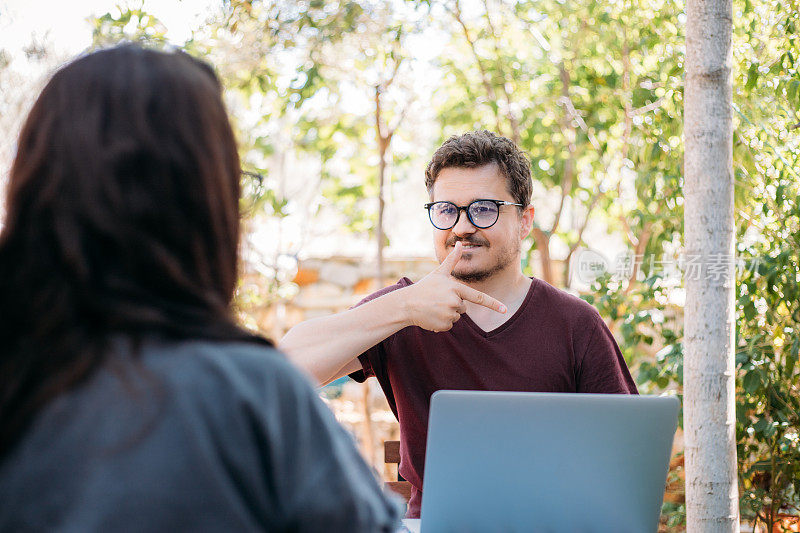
<point x="327" y="347"/>
<point x="324" y="346"/>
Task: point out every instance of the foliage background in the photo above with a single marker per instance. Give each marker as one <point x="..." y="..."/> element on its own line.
<point x="338" y="105"/>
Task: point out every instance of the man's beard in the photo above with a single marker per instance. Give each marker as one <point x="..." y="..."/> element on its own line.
<point x="507" y="256"/>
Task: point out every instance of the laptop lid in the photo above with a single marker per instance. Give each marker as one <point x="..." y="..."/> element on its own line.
<point x="518" y="461"/>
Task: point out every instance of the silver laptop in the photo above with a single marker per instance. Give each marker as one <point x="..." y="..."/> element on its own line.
<point x="539" y="462"/>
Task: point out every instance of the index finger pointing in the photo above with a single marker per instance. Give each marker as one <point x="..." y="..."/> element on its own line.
<point x="480" y="298"/>
<point x="452" y="258"/>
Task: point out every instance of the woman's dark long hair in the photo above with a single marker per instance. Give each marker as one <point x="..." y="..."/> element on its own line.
<point x="122" y="218"/>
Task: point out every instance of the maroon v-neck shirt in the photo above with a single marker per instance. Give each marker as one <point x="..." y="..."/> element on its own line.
<point x="555" y="342"/>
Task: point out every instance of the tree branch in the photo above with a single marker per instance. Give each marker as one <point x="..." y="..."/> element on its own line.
<point x="567" y="102"/>
<point x="397" y="62"/>
<point x="641" y="245"/>
<point x="632" y="240"/>
<point x="387" y="84"/>
<point x="484" y="76"/>
<point x="397" y="123"/>
<point x="569" y="136"/>
<point x="627" y="98"/>
<point x="589" y="210"/>
<point x="644" y="109"/>
<point x="543" y="246"/>
<point x="512" y="119"/>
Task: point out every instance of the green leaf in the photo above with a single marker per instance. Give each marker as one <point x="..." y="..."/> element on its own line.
<point x="791" y="358"/>
<point x="752" y="381"/>
<point x="752" y="77"/>
<point x="793" y="90"/>
<point x="749" y="311"/>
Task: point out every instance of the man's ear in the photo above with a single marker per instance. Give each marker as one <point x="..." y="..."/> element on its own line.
<point x="526" y="222"/>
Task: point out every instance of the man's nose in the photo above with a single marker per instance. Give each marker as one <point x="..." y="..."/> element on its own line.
<point x="464" y="226"/>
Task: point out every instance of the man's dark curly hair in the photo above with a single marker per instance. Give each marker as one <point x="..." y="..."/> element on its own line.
<point x="477" y="148"/>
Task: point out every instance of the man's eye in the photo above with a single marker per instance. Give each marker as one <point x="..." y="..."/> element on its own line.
<point x="482" y="209"/>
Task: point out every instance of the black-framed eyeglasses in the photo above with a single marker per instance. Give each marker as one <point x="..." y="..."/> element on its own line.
<point x="481" y="213"/>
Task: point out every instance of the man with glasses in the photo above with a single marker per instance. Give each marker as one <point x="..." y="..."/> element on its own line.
<point x="476" y="322"/>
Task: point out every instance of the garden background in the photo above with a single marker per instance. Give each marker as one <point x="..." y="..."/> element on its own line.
<point x="339" y="105"/>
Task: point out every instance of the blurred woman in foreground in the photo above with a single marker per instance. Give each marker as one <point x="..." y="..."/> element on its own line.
<point x="130" y="399"/>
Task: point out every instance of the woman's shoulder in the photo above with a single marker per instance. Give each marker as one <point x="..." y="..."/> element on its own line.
<point x="203" y="366"/>
<point x="200" y="352"/>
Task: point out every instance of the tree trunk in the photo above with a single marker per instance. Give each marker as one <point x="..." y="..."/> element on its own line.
<point x="379" y="229"/>
<point x="383" y="146"/>
<point x="543" y="247"/>
<point x="383" y="140"/>
<point x="709" y="404"/>
<point x="368" y="444"/>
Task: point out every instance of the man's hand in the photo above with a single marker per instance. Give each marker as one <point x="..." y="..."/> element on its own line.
<point x="436" y="302"/>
